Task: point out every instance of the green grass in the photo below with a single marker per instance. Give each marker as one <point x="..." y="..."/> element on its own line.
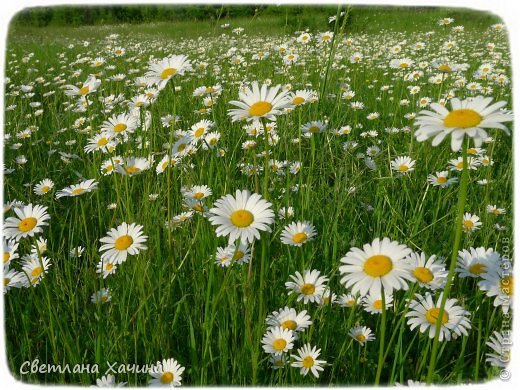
<point x="172" y="300"/>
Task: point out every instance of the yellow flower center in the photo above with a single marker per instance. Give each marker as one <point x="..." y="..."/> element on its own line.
<point x="84" y="90"/>
<point x="472" y="151"/>
<point x="37" y="271"/>
<point x="442" y="179"/>
<point x="109" y="266"/>
<point x="506" y="285"/>
<point x="403" y="168"/>
<point x="6" y="281"/>
<point x="7" y="256"/>
<point x="132" y="170"/>
<point x="199" y="195"/>
<point x="468" y="224"/>
<point x="404" y="65"/>
<point x="463" y="118"/>
<point x="238" y="255"/>
<point x="298" y="100"/>
<point x="123" y="243"/>
<point x="279" y="344"/>
<point x="242" y="218"/>
<point x="477" y="269"/>
<point x="199" y="132"/>
<point x="27" y="224"/>
<point x="378" y="265"/>
<point x="104" y="299"/>
<point x="378" y="305"/>
<point x="444" y="68"/>
<point x="423" y="274"/>
<point x="120" y="127"/>
<point x="167" y="73"/>
<point x="308" y="362"/>
<point x="300" y="238"/>
<point x="166" y="378"/>
<point x="102" y="142"/>
<point x="361" y="337"/>
<point x="314" y="129"/>
<point x="308" y="289"/>
<point x="181" y="147"/>
<point x="260" y="108"/>
<point x="433" y="314"/>
<point x="78" y="191"/>
<point x="289" y="324"/>
<point x="198" y="208"/>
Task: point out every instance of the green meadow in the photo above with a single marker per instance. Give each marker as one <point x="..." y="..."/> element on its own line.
<point x="178" y="298"/>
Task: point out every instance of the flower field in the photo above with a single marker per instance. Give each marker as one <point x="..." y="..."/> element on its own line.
<point x="240" y="205"/>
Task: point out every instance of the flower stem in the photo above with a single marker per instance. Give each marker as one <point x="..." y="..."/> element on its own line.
<point x="380" y="360"/>
<point x="463" y="189"/>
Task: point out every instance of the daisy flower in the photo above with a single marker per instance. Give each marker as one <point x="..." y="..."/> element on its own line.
<point x="300" y="97"/>
<point x="43" y="187"/>
<point x="361" y="334"/>
<point x="240" y="254"/>
<point x="309" y="287"/>
<point x="106" y="267"/>
<point x="102" y="296"/>
<point x="78" y="189"/>
<point x="13" y="279"/>
<point x="29" y="221"/>
<point x="161" y="72"/>
<point x="9" y="248"/>
<point x="499" y="283"/>
<point x="109" y="381"/>
<point x="373" y="303"/>
<point x="264" y="102"/>
<point x="242" y="216"/>
<point x="378" y="265"/>
<point x="119" y="124"/>
<point x="298" y="233"/>
<point x="100" y="142"/>
<point x="493" y="209"/>
<point x="429" y="273"/>
<point x="468" y="117"/>
<point x="501" y="344"/>
<point x="440" y="179"/>
<point x="200" y="129"/>
<point x="347" y="300"/>
<point x="458" y="164"/>
<point x="286" y="212"/>
<point x="278" y="340"/>
<point x="471" y="222"/>
<point x="120" y="242"/>
<point x="35" y="268"/>
<point x="180" y="146"/>
<point x="167" y="373"/>
<point x="89" y="86"/>
<point x="223" y="258"/>
<point x="307" y="360"/>
<point x="288" y="318"/>
<point x="134" y="166"/>
<point x="308" y="129"/>
<point x="196" y="192"/>
<point x="403" y="164"/>
<point x="278" y="361"/>
<point x="424" y="314"/>
<point x="475" y="261"/>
